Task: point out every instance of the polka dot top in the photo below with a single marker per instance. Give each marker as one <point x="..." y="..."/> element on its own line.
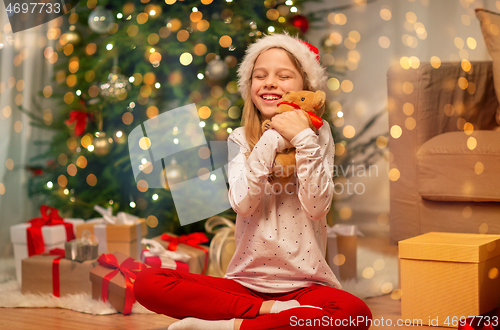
<point x="281" y="231"/>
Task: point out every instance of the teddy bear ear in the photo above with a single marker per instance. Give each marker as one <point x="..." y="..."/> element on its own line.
<point x="319" y="99"/>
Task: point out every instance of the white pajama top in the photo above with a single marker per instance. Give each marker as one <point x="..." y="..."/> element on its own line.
<point x="281" y="236"/>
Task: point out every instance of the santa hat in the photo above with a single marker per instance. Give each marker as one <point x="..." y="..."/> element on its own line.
<point x="306" y="54"/>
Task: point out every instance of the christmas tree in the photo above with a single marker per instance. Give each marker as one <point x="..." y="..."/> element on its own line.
<point x="118" y="65"/>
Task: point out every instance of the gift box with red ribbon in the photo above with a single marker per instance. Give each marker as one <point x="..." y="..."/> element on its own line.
<point x="113" y="280"/>
<point x="50" y="273"/>
<point x="41" y="234"/>
<point x="156" y="256"/>
<point x="190" y="244"/>
<point x="122" y="233"/>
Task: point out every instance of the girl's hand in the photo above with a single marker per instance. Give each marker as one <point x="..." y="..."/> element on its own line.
<point x="290" y="123"/>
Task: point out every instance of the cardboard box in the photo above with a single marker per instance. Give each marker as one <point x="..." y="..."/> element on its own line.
<point x="199" y="257"/>
<point x="53" y="237"/>
<point x="448" y="276"/>
<point x="37" y="275"/>
<point x="117" y="289"/>
<point x="123" y="238"/>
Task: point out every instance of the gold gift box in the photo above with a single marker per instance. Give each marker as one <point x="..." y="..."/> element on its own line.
<point x="121" y="238"/>
<point x="448" y="276"/>
<point x="73" y="275"/>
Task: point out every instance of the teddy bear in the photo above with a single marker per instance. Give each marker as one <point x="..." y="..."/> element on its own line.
<point x="312" y="104"/>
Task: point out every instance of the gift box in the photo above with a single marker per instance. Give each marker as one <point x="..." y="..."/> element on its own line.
<point x="448" y="276"/>
<point x="222" y="246"/>
<point x="48" y="232"/>
<point x="50" y="273"/>
<point x="189" y="244"/>
<point x="113" y="280"/>
<point x="341" y="250"/>
<point x="156" y="256"/>
<point x="81" y="249"/>
<point x="122" y="233"/>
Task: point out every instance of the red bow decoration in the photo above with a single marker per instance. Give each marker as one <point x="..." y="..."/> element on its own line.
<point x="81" y="121"/>
<point x="488" y="321"/>
<point x="55" y="270"/>
<point x="34" y="235"/>
<point x="316" y="121"/>
<point x="129" y="268"/>
<point x="192" y="239"/>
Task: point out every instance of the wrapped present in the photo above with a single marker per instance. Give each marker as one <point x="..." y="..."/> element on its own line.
<point x="341" y="250"/>
<point x="122" y="233"/>
<point x="112" y="280"/>
<point x="222" y="246"/>
<point x="488" y="321"/>
<point x="50" y="273"/>
<point x="41" y="234"/>
<point x="81" y="249"/>
<point x="156" y="256"/>
<point x="190" y="244"/>
<point x="446" y="277"/>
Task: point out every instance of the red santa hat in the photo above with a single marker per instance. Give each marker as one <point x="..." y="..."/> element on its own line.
<point x="306" y="54"/>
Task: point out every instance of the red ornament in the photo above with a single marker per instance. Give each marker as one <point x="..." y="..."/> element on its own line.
<point x="300" y="22"/>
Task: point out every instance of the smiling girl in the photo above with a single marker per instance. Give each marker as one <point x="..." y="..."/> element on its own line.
<point x="278" y="277"/>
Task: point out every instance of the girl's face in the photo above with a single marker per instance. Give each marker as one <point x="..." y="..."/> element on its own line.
<point x="273" y="75"/>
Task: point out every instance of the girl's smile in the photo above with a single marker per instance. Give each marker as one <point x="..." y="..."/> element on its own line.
<point x="274" y="74"/>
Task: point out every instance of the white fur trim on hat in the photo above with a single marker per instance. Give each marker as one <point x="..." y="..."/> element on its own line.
<point x="316" y="74"/>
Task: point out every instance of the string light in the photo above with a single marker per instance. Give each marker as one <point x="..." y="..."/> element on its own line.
<point x="50" y="184"/>
<point x="155" y="197"/>
<point x="109" y="46"/>
<point x="119" y="15"/>
<point x="132" y="205"/>
<point x="200" y="76"/>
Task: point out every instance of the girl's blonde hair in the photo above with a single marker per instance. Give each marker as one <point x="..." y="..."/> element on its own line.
<point x="252" y="119"/>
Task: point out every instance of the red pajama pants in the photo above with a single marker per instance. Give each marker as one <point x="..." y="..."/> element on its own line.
<point x="181" y="294"/>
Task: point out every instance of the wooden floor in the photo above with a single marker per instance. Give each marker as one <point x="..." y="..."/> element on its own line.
<point x="383" y="308"/>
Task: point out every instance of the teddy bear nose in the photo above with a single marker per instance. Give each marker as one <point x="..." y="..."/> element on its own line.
<point x="303" y="99"/>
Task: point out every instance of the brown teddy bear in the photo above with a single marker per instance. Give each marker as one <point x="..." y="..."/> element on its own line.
<point x="309" y="102"/>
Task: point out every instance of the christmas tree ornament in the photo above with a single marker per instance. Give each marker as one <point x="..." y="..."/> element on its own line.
<point x="102" y="146"/>
<point x="116" y="85"/>
<point x="172" y="174"/>
<point x="217" y="69"/>
<point x="100" y="19"/>
<point x="80" y="119"/>
<point x="300" y="22"/>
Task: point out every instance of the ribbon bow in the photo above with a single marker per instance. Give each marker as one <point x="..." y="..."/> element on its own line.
<point x="81" y="121"/>
<point x="192" y="239"/>
<point x="121" y="218"/>
<point x="156" y="249"/>
<point x="129" y="268"/>
<point x="50" y="217"/>
<point x="316" y="121"/>
<point x="221" y="234"/>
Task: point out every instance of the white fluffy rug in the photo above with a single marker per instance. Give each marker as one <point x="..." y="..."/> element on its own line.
<point x="384" y="272"/>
